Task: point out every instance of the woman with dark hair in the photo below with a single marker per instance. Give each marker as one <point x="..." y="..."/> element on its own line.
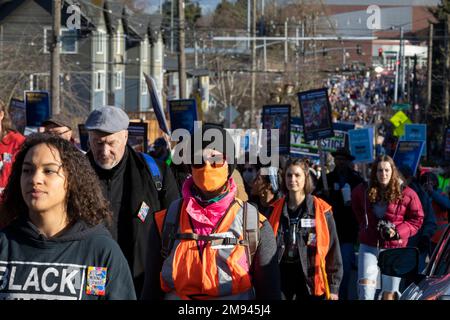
<point x="10" y="142"/>
<point x="388" y="213"/>
<point x="210" y="244"/>
<point x="56" y="245"/>
<point x="308" y="246"/>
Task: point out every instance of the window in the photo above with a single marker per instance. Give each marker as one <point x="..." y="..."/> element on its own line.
<point x="69" y="43"/>
<point x="145" y="51"/>
<point x="47" y="39"/>
<point x="118" y="43"/>
<point x="118" y="80"/>
<point x="144" y="89"/>
<point x="100" y="42"/>
<point x="99" y="80"/>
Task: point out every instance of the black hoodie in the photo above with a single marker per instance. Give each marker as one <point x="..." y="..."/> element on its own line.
<point x="84" y="263"/>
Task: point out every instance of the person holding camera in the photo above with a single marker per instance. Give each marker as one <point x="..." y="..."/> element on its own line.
<point x="388" y="213"/>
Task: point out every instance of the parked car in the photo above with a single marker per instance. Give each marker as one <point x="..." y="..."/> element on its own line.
<point x="433" y="283"/>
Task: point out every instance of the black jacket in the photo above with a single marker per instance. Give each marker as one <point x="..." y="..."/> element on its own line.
<point x="333" y="260"/>
<point x="346" y="224"/>
<point x="127" y="186"/>
<point x="33" y="267"/>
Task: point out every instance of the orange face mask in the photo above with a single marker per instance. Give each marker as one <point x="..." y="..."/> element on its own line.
<point x="210" y="179"/>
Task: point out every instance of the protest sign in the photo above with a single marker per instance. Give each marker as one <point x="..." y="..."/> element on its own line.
<point x="416" y="132"/>
<point x="361" y="144"/>
<point x="408" y="154"/>
<point x="156" y="104"/>
<point x="18" y="115"/>
<point x="399" y="120"/>
<point x="300" y="148"/>
<point x="183" y="113"/>
<point x="316" y="114"/>
<point x="37" y="104"/>
<point x="447" y="144"/>
<point x="278" y="117"/>
<point x="137" y="136"/>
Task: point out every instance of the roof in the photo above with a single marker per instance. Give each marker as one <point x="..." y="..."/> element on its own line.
<point x="114" y="13"/>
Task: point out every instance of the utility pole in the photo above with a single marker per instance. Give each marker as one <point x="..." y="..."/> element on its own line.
<point x="55" y="61"/>
<point x="253" y="89"/>
<point x="195" y="50"/>
<point x="249" y="20"/>
<point x="414" y="91"/>
<point x="402" y="61"/>
<point x="446" y="69"/>
<point x="429" y="70"/>
<point x="181" y="56"/>
<point x="396" y="78"/>
<point x="286" y="45"/>
<point x="172" y="10"/>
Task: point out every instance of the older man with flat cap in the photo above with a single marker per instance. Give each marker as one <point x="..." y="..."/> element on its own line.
<point x="341" y="182"/>
<point x="131" y="183"/>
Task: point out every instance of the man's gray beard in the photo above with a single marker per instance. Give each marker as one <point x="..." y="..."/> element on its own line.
<point x="107" y="167"/>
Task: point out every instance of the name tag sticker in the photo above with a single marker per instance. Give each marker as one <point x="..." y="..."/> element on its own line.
<point x="96" y="281"/>
<point x="143" y="211"/>
<point x="308" y="223"/>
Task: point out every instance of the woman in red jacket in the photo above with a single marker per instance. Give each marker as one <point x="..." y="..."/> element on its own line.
<point x="388" y="213"/>
<point x="10" y="143"/>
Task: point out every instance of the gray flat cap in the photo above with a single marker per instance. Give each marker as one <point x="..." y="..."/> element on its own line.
<point x="108" y="119"/>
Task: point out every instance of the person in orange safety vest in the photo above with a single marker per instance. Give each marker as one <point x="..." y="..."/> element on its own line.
<point x="210" y="244"/>
<point x="308" y="246"/>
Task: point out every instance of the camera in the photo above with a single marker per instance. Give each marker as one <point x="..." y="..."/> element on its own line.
<point x="384" y="227"/>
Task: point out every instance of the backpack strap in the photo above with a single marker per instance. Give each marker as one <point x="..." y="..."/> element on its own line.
<point x="154" y="170"/>
<point x="170" y="227"/>
<point x="251" y="229"/>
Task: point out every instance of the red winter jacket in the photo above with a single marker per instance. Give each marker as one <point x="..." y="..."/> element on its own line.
<point x="9" y="146"/>
<point x="406" y="214"/>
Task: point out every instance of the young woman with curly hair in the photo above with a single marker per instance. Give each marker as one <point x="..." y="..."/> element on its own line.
<point x="55" y="245"/>
<point x="388" y="213"/>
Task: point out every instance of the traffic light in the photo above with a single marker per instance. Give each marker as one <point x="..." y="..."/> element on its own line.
<point x="358" y="49"/>
<point x="380" y="52"/>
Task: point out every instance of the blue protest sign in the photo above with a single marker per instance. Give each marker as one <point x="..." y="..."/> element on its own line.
<point x="37" y="104"/>
<point x="18" y="115"/>
<point x="156" y="104"/>
<point x="361" y="144"/>
<point x="278" y="117"/>
<point x="316" y="114"/>
<point x="183" y="114"/>
<point x="408" y="154"/>
<point x="416" y="132"/>
<point x="300" y="148"/>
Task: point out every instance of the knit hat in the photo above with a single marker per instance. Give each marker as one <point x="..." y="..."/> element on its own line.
<point x="215" y="137"/>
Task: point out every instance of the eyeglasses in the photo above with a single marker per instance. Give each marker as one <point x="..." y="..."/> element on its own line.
<point x="216" y="161"/>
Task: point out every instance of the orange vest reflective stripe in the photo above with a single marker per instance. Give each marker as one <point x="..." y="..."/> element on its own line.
<point x="322" y="236"/>
<point x="275" y="216"/>
<point x="219" y="272"/>
<point x="441" y="222"/>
